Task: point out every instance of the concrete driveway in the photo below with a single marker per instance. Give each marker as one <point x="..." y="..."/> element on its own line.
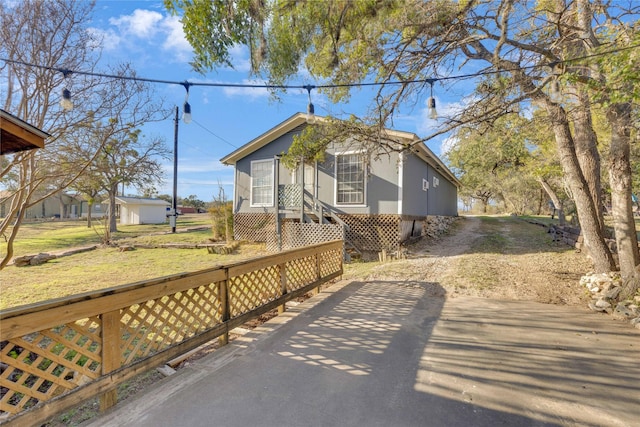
<point x="402" y="354"/>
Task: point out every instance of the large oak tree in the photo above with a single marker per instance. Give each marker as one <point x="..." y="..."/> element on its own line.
<point x="519" y="50"/>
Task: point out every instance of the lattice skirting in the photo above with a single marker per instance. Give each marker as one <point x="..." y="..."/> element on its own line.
<point x="374" y="232"/>
<point x="255" y="227"/>
<point x="297" y="234"/>
<point x="370" y="233"/>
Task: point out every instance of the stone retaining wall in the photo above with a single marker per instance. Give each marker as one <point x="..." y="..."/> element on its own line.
<point x="605" y="291"/>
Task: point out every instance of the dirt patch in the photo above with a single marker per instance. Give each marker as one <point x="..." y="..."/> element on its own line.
<point x="494" y="257"/>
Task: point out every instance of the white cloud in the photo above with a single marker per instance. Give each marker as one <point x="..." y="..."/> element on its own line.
<point x="240" y="58"/>
<point x="447" y="144"/>
<point x="107" y="39"/>
<point x="176" y="41"/>
<point x="192" y="165"/>
<point x="142" y="23"/>
<point x="144" y="31"/>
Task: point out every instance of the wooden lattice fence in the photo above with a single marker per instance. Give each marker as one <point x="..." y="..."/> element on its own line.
<point x="254" y="227"/>
<point x="373" y="232"/>
<point x="290" y="196"/>
<point x="57" y="354"/>
<point x="299" y="234"/>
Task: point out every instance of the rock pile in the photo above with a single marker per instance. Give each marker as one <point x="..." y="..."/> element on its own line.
<point x="605" y="289"/>
<point x="434" y="226"/>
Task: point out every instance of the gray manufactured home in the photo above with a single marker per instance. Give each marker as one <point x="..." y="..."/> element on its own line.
<point x="373" y="202"/>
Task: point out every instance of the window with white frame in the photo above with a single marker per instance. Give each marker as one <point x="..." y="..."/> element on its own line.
<point x="350" y="183"/>
<point x="262" y="183"/>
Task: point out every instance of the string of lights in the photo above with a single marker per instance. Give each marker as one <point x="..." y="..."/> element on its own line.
<point x="67" y="103"/>
<point x="67" y="72"/>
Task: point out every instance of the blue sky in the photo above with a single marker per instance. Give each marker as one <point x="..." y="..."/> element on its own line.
<point x="144" y="34"/>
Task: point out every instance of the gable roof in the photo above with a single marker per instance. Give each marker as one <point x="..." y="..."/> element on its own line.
<point x="140" y="201"/>
<point x="298" y="119"/>
<point x="274" y="133"/>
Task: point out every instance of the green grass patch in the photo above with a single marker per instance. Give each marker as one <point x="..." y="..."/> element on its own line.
<point x="105" y="267"/>
<point x="50" y="236"/>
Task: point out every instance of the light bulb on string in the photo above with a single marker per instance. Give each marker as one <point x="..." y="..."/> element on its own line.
<point x="311" y="116"/>
<point x="65" y="102"/>
<point x="186" y="115"/>
<point x="431" y="104"/>
<point x="555" y="94"/>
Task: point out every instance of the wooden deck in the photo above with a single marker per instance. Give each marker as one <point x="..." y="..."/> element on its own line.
<point x="56" y="354"/>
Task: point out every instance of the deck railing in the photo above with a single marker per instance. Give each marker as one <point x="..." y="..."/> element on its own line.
<point x="57" y="354"/>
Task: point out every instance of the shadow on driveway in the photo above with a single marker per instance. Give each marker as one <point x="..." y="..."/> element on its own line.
<point x="401" y="354"/>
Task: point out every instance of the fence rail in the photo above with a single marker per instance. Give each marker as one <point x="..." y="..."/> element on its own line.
<point x="57" y="354"/>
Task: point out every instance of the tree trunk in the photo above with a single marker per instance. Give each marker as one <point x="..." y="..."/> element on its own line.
<point x="587" y="214"/>
<point x="586" y="142"/>
<point x="540" y="202"/>
<point x="619" y="116"/>
<point x="112" y="208"/>
<point x="17" y="211"/>
<point x="89" y="205"/>
<point x="554" y="198"/>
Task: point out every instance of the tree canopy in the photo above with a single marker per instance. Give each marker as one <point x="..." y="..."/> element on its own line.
<point x="562" y="57"/>
<point x="53" y="35"/>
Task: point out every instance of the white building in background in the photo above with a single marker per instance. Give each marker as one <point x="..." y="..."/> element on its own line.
<point x="136" y="210"/>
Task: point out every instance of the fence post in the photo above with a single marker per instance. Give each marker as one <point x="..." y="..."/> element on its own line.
<point x="223" y="291"/>
<point x="111" y="355"/>
<point x="282" y="270"/>
<point x="316" y="290"/>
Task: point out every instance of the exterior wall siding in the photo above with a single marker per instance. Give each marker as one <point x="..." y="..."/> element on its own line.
<point x="444" y="200"/>
<point x="395" y="207"/>
<point x="243" y="173"/>
<point x="381" y="184"/>
<point x="441" y="197"/>
<point x="415" y="200"/>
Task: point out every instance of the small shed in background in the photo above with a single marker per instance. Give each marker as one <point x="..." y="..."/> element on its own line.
<point x="136" y="210"/>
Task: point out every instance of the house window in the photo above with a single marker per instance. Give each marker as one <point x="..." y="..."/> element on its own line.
<point x="262" y="183"/>
<point x="350" y="179"/>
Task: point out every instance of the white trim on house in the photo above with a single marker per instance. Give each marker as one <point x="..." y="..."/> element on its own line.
<point x="235" y="191"/>
<point x="298" y="119"/>
<point x="295" y="176"/>
<point x="264" y="139"/>
<point x="271" y="189"/>
<point x="364" y="179"/>
<point x="400" y="180"/>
